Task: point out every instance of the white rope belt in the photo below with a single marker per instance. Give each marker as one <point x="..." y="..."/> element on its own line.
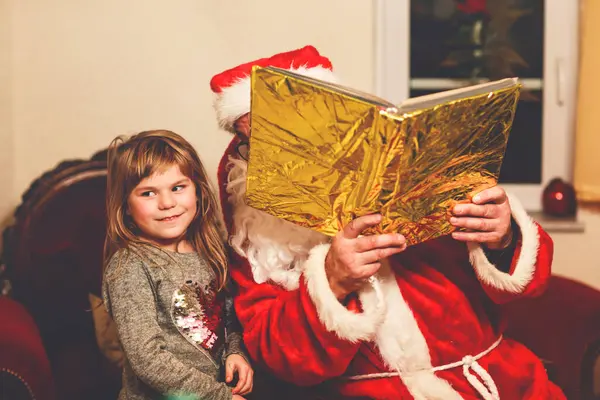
<point x="485" y="385"/>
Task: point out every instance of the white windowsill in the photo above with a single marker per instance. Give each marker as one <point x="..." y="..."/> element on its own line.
<point x="556" y="225"/>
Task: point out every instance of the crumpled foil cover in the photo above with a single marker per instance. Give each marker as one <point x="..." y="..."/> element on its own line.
<point x="320" y="157"/>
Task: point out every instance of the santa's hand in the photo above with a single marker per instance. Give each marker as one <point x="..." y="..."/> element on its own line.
<point x="486" y="220"/>
<point x="351" y="259"/>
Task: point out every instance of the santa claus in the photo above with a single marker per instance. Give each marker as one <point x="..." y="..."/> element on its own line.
<point x="430" y="329"/>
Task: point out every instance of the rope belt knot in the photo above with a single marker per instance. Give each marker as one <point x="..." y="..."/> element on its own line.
<point x="477" y="376"/>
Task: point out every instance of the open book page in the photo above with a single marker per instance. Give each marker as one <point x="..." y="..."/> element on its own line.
<point x="413" y="104"/>
<point x="432" y="100"/>
<point x="356" y="94"/>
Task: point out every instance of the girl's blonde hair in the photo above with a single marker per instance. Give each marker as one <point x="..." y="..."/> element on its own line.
<point x="140" y="156"/>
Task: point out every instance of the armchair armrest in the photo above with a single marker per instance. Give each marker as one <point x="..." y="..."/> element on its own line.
<point x="24" y="365"/>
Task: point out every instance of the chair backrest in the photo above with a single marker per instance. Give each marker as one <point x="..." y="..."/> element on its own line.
<point x="53" y="256"/>
<point x="53" y="251"/>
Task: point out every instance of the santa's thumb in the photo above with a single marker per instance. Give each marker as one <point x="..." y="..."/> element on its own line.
<point x="229" y="375"/>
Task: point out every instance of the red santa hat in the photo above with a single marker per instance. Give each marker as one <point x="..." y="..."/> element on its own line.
<point x="232" y="87"/>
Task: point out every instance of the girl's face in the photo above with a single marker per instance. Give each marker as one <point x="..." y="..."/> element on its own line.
<point x="163" y="206"/>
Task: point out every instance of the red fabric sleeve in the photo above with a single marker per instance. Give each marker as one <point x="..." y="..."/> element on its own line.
<point x="283" y="332"/>
<point x="540" y="271"/>
<point x="530" y="266"/>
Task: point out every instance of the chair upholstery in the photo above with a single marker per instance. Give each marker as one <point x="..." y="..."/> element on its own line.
<point x="24" y="366"/>
<point x="562" y="327"/>
<point x="53" y="256"/>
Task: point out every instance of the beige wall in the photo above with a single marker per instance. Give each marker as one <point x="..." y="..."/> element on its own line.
<point x="575" y="254"/>
<point x="6" y="131"/>
<point x="87" y="71"/>
<point x="83" y="72"/>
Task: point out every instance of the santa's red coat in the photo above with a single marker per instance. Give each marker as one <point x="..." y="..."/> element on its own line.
<point x="438" y="302"/>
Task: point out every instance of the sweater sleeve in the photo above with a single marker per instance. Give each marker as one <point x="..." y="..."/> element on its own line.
<point x="129" y="295"/>
<point x="234" y="344"/>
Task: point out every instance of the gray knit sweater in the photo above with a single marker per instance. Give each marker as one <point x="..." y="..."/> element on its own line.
<point x="175" y="331"/>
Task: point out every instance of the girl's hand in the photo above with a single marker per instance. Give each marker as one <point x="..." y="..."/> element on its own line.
<point x="487" y="219"/>
<point x="237" y="397"/>
<point x="236" y="363"/>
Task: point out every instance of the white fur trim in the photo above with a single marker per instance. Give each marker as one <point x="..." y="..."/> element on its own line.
<point x="525" y="268"/>
<point x="403" y="347"/>
<point x="234" y="101"/>
<point x="346" y="324"/>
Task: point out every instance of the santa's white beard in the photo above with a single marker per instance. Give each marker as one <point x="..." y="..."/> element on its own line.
<point x="276" y="249"/>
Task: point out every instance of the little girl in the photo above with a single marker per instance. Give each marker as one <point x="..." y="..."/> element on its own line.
<point x="166" y="272"/>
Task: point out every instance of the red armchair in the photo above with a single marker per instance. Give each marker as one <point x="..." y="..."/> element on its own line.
<point x="53" y="257"/>
<point x="24" y="366"/>
<point x="563" y="328"/>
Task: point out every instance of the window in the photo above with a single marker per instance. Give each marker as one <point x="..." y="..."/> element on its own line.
<point x="426" y="46"/>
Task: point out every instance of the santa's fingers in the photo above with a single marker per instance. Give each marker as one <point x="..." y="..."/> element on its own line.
<point x="478" y="237"/>
<point x="373" y="256"/>
<point x="356" y="226"/>
<point x="476" y="224"/>
<point x="494" y="194"/>
<point x="372" y="242"/>
<point x="476" y="210"/>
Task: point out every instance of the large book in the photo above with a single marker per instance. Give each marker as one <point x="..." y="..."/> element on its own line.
<point x="322" y="154"/>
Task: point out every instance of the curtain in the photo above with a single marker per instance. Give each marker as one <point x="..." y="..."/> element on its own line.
<point x="587" y="139"/>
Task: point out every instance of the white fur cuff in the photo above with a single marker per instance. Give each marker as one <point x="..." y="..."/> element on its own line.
<point x="525" y="268"/>
<point x="346" y="324"/>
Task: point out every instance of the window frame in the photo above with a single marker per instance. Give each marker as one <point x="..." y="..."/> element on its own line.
<point x="561" y="57"/>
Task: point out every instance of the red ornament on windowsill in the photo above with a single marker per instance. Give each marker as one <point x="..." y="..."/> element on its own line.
<point x="559" y="200"/>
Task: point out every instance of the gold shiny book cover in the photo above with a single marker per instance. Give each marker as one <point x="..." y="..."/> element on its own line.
<point x="322" y="154"/>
